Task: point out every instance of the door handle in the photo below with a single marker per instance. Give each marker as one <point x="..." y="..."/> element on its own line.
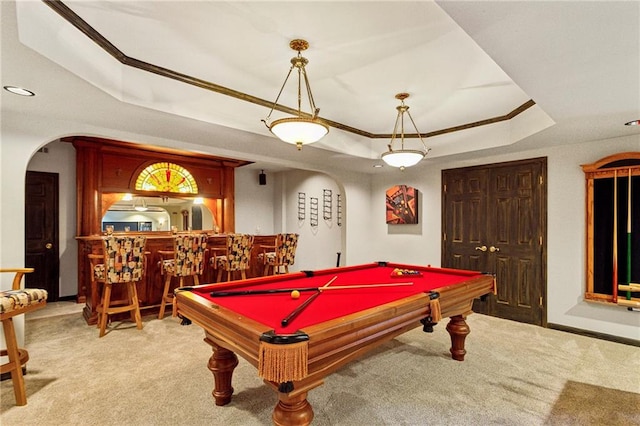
<point x="482" y="248"/>
<point x="493" y="249"/>
<point x="48" y="246"/>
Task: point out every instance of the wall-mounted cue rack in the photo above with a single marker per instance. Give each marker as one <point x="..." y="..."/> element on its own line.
<point x="327" y="203"/>
<point x="313" y="211"/>
<point x="302" y="199"/>
<point x="613" y="230"/>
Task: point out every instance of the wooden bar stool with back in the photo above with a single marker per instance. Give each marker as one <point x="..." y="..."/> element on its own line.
<point x="187" y="260"/>
<point x="17" y="301"/>
<point x="235" y="257"/>
<point x="279" y="256"/>
<point x="122" y="263"/>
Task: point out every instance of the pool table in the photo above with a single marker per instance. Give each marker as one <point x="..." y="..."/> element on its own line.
<point x="296" y="340"/>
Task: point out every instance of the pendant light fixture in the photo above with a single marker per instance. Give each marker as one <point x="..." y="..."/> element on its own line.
<point x="402" y="157"/>
<point x="140" y="204"/>
<point x="303" y="128"/>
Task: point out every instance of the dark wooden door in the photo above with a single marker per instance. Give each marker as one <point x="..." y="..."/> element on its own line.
<point x="41" y="232"/>
<point x="464" y="219"/>
<point x="493" y="221"/>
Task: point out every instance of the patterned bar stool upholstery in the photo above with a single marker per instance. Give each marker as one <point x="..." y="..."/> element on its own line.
<point x="123" y="263"/>
<point x="17" y="301"/>
<point x="235" y="256"/>
<point x="280" y="255"/>
<point x="188" y="261"/>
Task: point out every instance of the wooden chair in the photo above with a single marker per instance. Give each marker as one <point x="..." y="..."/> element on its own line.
<point x="187" y="260"/>
<point x="17" y="301"/>
<point x="123" y="262"/>
<point x="236" y="256"/>
<point x="280" y="255"/>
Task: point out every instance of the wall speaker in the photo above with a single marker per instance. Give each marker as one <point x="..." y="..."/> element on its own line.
<point x="262" y="178"/>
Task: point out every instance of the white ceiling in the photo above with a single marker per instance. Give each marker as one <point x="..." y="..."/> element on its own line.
<point x="461" y="62"/>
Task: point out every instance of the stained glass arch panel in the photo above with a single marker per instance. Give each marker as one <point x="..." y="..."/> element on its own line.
<point x="166" y="177"/>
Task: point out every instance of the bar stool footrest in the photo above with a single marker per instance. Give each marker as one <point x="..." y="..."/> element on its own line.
<point x="23" y="356"/>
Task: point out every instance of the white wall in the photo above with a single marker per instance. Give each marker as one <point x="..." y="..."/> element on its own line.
<point x="414" y="244"/>
<point x="317" y="245"/>
<point x="254" y="203"/>
<point x="358" y="237"/>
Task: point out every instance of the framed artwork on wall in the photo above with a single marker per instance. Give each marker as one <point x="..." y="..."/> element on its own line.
<point x="402" y="205"/>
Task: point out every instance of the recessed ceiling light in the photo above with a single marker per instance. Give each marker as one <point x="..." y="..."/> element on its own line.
<point x="19" y="91"/>
<point x="633" y="123"/>
<point x="377" y="166"/>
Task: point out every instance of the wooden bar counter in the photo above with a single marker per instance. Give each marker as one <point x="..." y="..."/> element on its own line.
<point x="151" y="286"/>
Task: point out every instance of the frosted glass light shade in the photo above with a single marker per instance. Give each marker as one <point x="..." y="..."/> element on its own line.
<point x="139" y="204"/>
<point x="403" y="158"/>
<point x="298" y="130"/>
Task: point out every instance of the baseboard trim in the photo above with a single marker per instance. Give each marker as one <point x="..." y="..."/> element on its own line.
<point x="67" y="298"/>
<point x="601" y="336"/>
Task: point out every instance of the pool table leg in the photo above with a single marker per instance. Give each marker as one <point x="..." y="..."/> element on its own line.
<point x="221" y="364"/>
<point x="458" y="330"/>
<point x="292" y="409"/>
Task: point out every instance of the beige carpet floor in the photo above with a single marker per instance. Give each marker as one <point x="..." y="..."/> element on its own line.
<point x="514" y="374"/>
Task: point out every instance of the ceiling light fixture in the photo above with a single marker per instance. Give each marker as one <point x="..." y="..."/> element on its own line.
<point x="19" y="91"/>
<point x="304" y="128"/>
<point x="402" y="157"/>
<point x="139" y="204"/>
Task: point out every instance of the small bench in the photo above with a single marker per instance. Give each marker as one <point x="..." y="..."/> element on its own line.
<point x="17" y="301"/>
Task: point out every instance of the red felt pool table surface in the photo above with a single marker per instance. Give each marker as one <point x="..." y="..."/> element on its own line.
<point x="270" y="309"/>
<point x="338" y="326"/>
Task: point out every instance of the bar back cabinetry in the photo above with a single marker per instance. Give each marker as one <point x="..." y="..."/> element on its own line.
<point x="106" y="170"/>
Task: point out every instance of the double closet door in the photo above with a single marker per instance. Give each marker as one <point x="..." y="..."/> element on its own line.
<point x="494" y="221"/>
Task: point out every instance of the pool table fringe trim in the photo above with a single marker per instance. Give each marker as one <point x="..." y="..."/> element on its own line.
<point x="283" y="363"/>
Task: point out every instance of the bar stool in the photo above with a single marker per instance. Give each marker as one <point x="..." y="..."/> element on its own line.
<point x="188" y="260"/>
<point x="235" y="256"/>
<point x="123" y="263"/>
<point x="17" y="301"/>
<point x="280" y="255"/>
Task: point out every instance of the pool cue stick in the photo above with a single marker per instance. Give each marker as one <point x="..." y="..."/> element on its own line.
<point x="303" y="289"/>
<point x="629" y="237"/>
<point x="615" y="236"/>
<point x="349" y="287"/>
<point x="306" y="303"/>
<point x="630" y="304"/>
<point x="633" y="288"/>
